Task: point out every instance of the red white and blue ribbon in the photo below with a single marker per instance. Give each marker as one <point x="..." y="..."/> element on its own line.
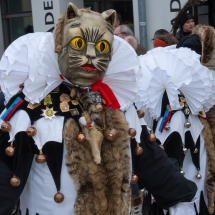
<point x="9" y="112"/>
<point x="165" y="120"/>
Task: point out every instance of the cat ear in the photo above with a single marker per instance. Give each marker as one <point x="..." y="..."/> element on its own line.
<point x="110" y="16"/>
<point x="72" y="11"/>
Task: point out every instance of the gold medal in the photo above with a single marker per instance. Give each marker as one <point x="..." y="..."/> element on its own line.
<point x="64" y="98"/>
<point x="75" y="102"/>
<point x="48" y="100"/>
<point x="33" y="106"/>
<point x="74" y="112"/>
<point x="48" y="113"/>
<point x="182" y="99"/>
<point x="64" y="106"/>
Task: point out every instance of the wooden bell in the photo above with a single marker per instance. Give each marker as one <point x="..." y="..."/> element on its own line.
<point x="31" y="131"/>
<point x="140" y="113"/>
<point x="134" y="179"/>
<point x="110" y="134"/>
<point x="41" y="158"/>
<point x="151" y="137"/>
<point x="132" y="132"/>
<point x="15" y="181"/>
<point x="80" y="137"/>
<point x="138" y="150"/>
<point x="10" y="150"/>
<point x="6" y="127"/>
<point x="59" y="197"/>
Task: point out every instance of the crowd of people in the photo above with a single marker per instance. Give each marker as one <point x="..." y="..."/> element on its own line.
<point x="92" y="123"/>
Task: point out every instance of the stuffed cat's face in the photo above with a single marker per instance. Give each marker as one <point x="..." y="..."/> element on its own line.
<point x="87" y="41"/>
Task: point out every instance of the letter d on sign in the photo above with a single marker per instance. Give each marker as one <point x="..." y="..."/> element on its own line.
<point x="175" y="9"/>
<point x="52" y="19"/>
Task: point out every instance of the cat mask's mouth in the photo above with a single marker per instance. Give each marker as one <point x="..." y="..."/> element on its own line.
<point x="89" y="67"/>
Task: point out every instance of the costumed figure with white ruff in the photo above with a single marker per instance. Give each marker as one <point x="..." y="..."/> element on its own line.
<point x="64" y="143"/>
<point x="177" y="91"/>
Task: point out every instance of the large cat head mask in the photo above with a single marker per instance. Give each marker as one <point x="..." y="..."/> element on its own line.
<point x="83" y="40"/>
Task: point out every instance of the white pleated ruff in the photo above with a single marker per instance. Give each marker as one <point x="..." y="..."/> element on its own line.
<point x="175" y="71"/>
<point x="40" y="188"/>
<point x="31" y="60"/>
<point x="177" y="124"/>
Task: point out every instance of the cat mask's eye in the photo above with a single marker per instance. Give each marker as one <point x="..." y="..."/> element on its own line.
<point x="103" y="46"/>
<point x="78" y="43"/>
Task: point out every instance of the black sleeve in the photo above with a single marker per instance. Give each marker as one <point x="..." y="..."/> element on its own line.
<point x="19" y="165"/>
<point x="158" y="174"/>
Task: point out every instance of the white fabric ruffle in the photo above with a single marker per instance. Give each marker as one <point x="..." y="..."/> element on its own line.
<point x="31" y="60"/>
<point x="175" y="71"/>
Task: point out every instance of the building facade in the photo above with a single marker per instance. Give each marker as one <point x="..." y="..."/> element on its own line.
<point x="25" y="16"/>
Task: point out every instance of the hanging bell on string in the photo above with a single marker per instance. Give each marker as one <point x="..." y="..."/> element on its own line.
<point x="80" y="137"/>
<point x="167" y="127"/>
<point x="196" y="150"/>
<point x="162" y="147"/>
<point x="6" y="127"/>
<point x="198" y="175"/>
<point x="182" y="171"/>
<point x="10" y="150"/>
<point x="138" y="150"/>
<point x="41" y="158"/>
<point x="110" y="134"/>
<point x="187" y="124"/>
<point x="151" y="137"/>
<point x="184" y="149"/>
<point x="134" y="179"/>
<point x="31" y="131"/>
<point x="140" y="113"/>
<point x="58" y="197"/>
<point x="132" y="132"/>
<point x="14" y="181"/>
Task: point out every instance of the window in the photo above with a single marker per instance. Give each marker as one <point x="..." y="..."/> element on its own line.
<point x="16" y="19"/>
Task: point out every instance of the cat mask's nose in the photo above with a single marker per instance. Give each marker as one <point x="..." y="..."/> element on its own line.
<point x="91" y="52"/>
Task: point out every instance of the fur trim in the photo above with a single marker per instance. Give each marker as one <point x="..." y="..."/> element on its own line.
<point x="137" y="200"/>
<point x="206" y="34"/>
<point x="101" y="189"/>
<point x="209" y="145"/>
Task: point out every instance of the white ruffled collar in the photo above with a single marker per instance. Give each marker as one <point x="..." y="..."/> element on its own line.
<point x="37" y="67"/>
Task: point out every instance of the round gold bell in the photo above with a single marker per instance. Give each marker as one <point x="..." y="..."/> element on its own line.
<point x="110" y="134"/>
<point x="187" y="124"/>
<point x="140" y="113"/>
<point x="6" y="127"/>
<point x="185" y="150"/>
<point x="162" y="147"/>
<point x="182" y="171"/>
<point x="58" y="197"/>
<point x="134" y="179"/>
<point x="132" y="132"/>
<point x="138" y="150"/>
<point x="80" y="138"/>
<point x="31" y="131"/>
<point x="41" y="158"/>
<point x="151" y="138"/>
<point x="198" y="175"/>
<point x="10" y="150"/>
<point x="15" y="181"/>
